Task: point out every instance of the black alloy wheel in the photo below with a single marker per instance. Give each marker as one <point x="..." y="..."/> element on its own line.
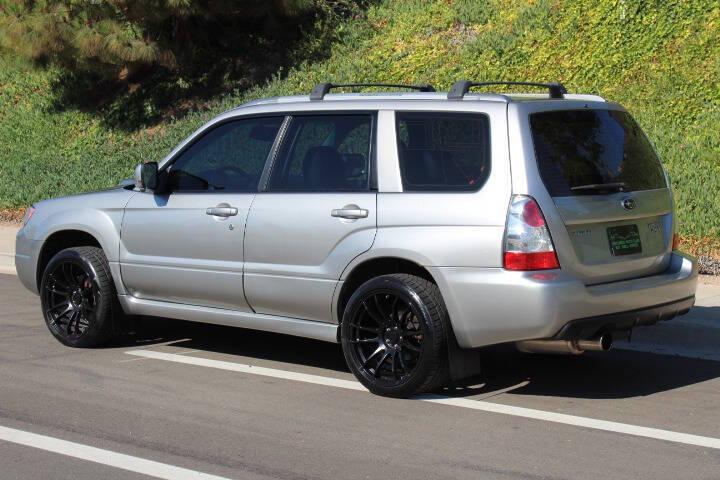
<point x="386" y="337"/>
<point x="393" y="335"/>
<point x="71" y="298"/>
<point x="77" y="297"/>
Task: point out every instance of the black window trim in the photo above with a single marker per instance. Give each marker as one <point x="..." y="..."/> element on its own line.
<point x="372" y="153"/>
<point x="214" y="126"/>
<point x="444" y="112"/>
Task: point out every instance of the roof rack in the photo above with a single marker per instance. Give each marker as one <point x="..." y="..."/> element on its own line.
<point x="321" y="89"/>
<point x="460" y="88"/>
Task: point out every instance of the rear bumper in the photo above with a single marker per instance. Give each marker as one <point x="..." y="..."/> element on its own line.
<point x="592" y="327"/>
<point x="492" y="305"/>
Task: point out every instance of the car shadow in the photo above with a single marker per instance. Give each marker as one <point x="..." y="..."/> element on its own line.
<point x="709" y="315"/>
<point x="237" y="341"/>
<point x="595" y="375"/>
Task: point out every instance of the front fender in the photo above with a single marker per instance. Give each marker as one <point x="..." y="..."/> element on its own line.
<point x="97" y="214"/>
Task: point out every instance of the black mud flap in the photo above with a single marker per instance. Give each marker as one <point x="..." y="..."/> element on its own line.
<point x="463" y="363"/>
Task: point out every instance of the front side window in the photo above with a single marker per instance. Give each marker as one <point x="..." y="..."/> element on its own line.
<point x="324" y="153"/>
<point x="228" y="158"/>
<point x="443" y="151"/>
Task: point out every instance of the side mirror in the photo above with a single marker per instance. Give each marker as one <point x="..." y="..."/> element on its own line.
<point x="146" y="176"/>
<point x="137" y="176"/>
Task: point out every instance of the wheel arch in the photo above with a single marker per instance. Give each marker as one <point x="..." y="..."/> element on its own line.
<point x="60" y="240"/>
<point x="89" y="219"/>
<point x="362" y="270"/>
<point x="463" y="363"/>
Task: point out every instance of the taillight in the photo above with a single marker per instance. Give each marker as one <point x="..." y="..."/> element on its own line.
<point x="528" y="245"/>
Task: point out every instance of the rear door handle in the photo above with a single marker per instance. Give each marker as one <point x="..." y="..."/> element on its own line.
<point x="352" y="212"/>
<point x="222" y="211"/>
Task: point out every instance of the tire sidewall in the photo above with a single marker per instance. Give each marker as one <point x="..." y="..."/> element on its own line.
<point x="428" y="356"/>
<point x="96" y="329"/>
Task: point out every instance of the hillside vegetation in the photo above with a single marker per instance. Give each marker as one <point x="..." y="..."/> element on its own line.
<point x="659" y="59"/>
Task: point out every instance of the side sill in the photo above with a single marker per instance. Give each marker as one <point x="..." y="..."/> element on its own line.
<point x="326" y="332"/>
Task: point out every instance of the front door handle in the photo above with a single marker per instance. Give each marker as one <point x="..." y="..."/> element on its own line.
<point x="352" y="212"/>
<point x="222" y="211"/>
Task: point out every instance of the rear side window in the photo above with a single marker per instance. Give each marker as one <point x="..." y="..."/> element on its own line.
<point x="577" y="150"/>
<point x="324" y="153"/>
<point x="443" y="151"/>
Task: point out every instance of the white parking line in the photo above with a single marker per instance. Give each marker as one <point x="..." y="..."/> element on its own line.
<point x="656" y="433"/>
<point x="104" y="457"/>
<point x="186" y="352"/>
<point x="238" y="367"/>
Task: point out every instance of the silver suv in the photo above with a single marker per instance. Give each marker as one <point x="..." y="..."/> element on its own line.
<point x="410" y="227"/>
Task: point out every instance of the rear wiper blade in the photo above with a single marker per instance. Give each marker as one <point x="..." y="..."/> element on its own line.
<point x="619" y="186"/>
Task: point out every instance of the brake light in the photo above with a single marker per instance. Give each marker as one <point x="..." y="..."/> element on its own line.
<point x="528" y="245"/>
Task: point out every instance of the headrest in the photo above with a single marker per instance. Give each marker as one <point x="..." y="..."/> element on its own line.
<point x="323" y="168"/>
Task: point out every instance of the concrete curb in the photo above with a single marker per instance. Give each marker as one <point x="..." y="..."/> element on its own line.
<point x="7" y="263"/>
<point x="7" y="247"/>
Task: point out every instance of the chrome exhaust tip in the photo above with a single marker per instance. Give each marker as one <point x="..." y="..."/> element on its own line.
<point x="601" y="344"/>
<point x="567" y="347"/>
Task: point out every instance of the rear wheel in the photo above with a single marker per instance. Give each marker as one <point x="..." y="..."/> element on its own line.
<point x="394" y="335"/>
<point x="78" y="297"/>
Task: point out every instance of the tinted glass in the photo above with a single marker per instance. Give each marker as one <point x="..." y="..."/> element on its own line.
<point x="443" y="151"/>
<point x="229" y="158"/>
<point x="585" y="147"/>
<point x="324" y="152"/>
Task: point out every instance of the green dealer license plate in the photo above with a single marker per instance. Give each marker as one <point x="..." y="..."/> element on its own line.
<point x="624" y="240"/>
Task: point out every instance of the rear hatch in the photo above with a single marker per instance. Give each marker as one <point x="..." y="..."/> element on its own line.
<point x="610" y="191"/>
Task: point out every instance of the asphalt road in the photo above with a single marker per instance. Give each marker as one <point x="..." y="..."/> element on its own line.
<point x="249" y="423"/>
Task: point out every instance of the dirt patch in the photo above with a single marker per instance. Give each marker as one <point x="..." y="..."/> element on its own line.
<point x="701" y="246"/>
<point x="12" y="216"/>
<point x="707" y="251"/>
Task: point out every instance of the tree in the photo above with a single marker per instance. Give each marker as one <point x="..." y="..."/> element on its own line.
<point x="189" y="47"/>
<point x="123" y="36"/>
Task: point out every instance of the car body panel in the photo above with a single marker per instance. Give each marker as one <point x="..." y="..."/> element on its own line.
<point x="450" y="228"/>
<point x="295" y="250"/>
<point x="493" y="305"/>
<point x="232" y="318"/>
<point x="578" y="223"/>
<point x="173" y="251"/>
<point x="98" y="214"/>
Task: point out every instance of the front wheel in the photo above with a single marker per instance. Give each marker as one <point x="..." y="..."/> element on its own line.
<point x="78" y="297"/>
<point x="394" y="335"/>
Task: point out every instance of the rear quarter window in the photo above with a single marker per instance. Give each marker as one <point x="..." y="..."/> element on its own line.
<point x="443" y="151"/>
<point x="576" y="148"/>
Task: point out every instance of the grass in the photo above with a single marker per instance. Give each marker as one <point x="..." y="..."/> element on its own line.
<point x="662" y="61"/>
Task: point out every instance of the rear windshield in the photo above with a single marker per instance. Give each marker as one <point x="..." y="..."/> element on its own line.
<point x="577" y="150"/>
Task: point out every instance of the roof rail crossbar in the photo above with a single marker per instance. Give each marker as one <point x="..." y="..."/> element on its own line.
<point x="321" y="89"/>
<point x="460" y="88"/>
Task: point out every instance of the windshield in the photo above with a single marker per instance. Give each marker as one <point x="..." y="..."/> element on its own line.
<point x="581" y="152"/>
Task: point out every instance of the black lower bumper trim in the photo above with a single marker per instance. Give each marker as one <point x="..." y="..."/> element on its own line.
<point x="592" y="327"/>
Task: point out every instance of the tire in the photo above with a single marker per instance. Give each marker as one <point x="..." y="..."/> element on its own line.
<point x="394" y="335"/>
<point x="78" y="297"/>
